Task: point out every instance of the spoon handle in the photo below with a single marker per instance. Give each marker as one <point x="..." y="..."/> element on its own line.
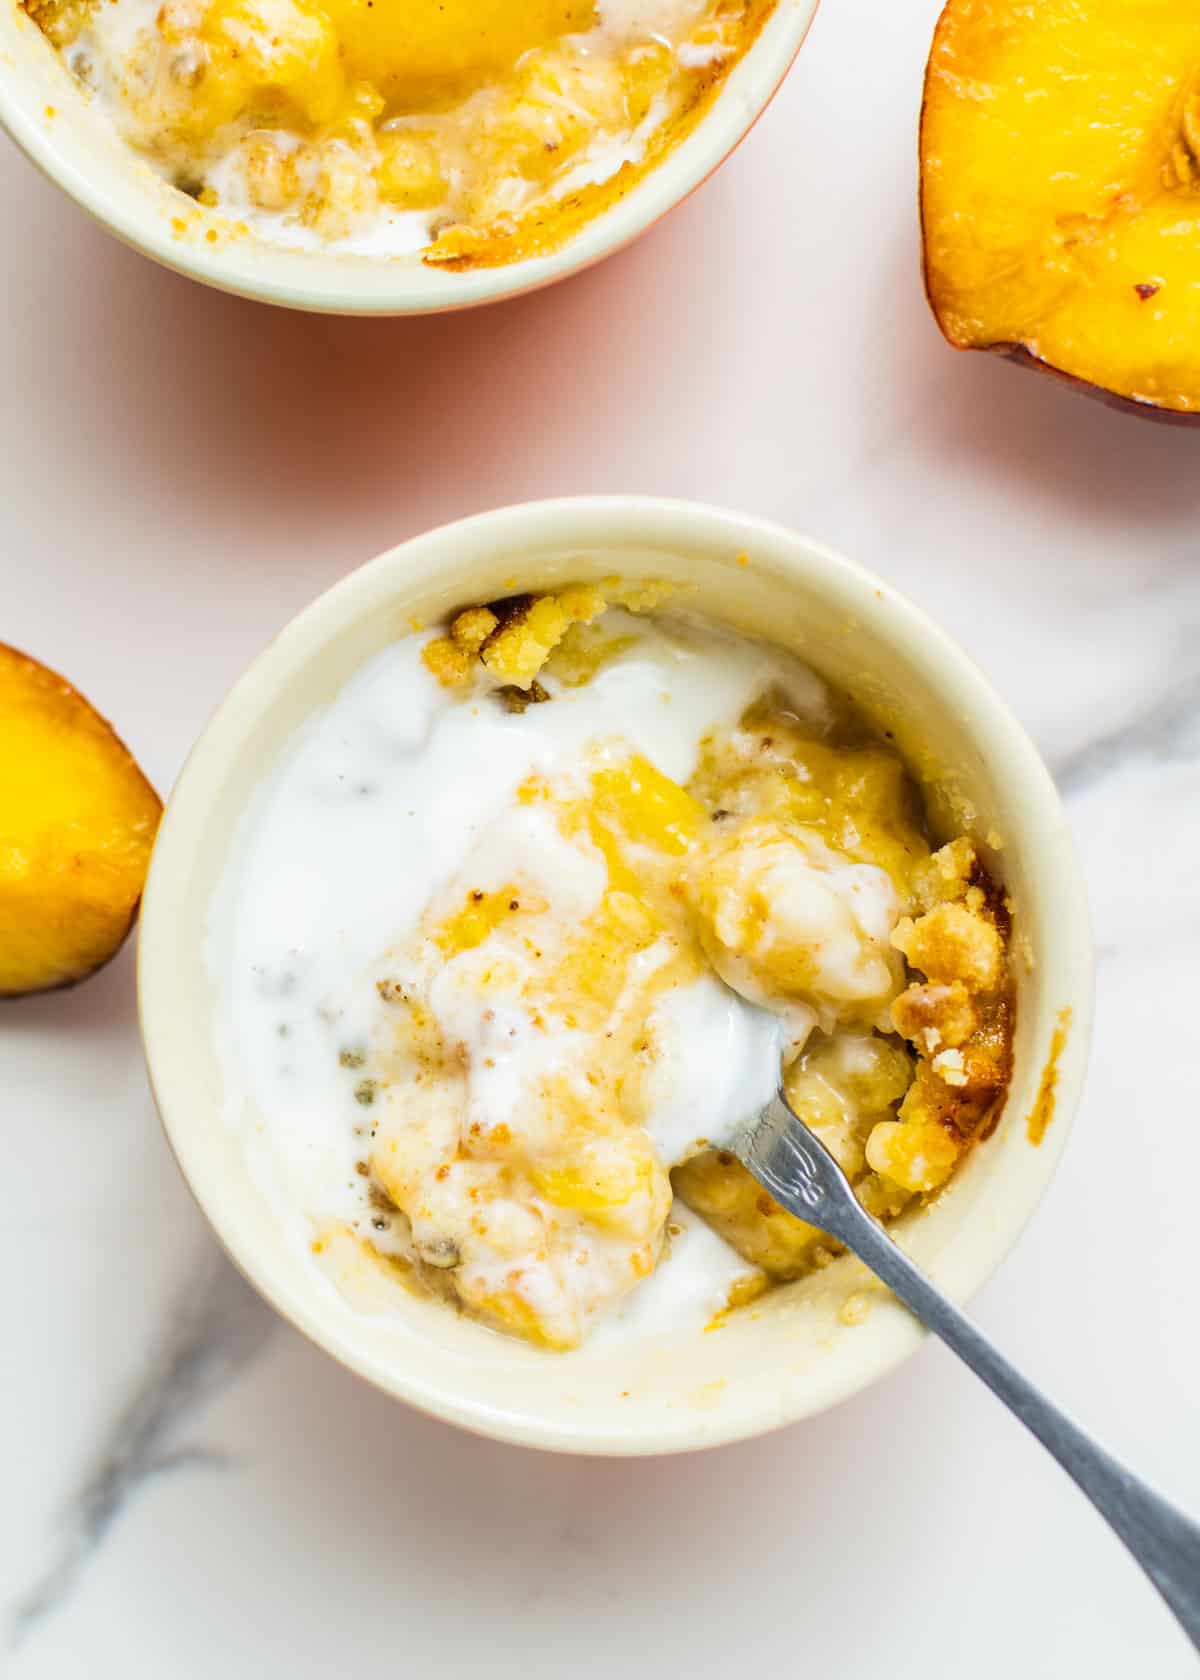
<point x="791" y="1162"/>
<point x="1161" y="1538"/>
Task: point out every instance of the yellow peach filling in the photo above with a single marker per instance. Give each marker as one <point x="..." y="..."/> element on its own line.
<point x="792" y="862"/>
<point x="491" y="120"/>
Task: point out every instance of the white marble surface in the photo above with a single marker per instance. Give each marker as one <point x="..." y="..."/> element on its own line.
<point x="189" y="1489"/>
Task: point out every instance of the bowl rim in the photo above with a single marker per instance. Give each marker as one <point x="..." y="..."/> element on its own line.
<point x="582" y="522"/>
<point x="356" y="285"/>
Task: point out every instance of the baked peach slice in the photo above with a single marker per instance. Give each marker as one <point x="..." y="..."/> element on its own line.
<point x="1060" y="190"/>
<point x="77" y="823"/>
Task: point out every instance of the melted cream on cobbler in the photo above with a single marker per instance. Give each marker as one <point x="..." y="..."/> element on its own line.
<point x="391" y="126"/>
<point x="531" y="917"/>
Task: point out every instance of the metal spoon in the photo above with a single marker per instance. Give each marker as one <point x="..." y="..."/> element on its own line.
<point x="791" y="1162"/>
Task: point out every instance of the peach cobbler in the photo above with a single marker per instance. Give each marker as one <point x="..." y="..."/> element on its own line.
<point x="476" y="131"/>
<point x="536" y="913"/>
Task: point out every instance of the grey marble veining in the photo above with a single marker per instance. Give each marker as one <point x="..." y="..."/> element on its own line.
<point x="1166" y="731"/>
<point x="217" y="1327"/>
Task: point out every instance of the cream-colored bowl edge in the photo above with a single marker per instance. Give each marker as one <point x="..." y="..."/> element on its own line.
<point x="45" y="113"/>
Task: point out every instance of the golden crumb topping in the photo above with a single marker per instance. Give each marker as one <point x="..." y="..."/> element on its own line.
<point x="935" y="1017"/>
<point x="513" y="638"/>
<point x="953" y="942"/>
<point x="898" y="1125"/>
<point x="794" y="864"/>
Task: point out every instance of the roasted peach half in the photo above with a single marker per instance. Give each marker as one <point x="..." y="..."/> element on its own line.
<point x="1060" y="190"/>
<point x="77" y="822"/>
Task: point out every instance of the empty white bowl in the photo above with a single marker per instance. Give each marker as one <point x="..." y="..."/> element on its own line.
<point x="47" y="115"/>
<point x="790" y="1353"/>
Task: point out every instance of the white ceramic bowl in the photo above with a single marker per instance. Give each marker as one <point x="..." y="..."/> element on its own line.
<point x="790" y="1354"/>
<point x="43" y="110"/>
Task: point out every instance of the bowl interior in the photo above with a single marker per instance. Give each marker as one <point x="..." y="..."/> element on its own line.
<point x="789" y="1354"/>
<point x="43" y="109"/>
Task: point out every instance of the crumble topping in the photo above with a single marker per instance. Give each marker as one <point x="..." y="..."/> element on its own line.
<point x="632" y="870"/>
<point x="474" y="137"/>
<point x="513" y="638"/>
<point x="793" y="863"/>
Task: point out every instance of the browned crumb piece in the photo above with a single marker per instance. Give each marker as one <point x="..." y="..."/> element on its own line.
<point x="959" y="1020"/>
<point x="520" y="699"/>
<point x="935" y="1017"/>
<point x="473" y="627"/>
<point x="517" y="650"/>
<point x="452" y="665"/>
<point x="953" y="942"/>
<point x="918" y="1155"/>
<point x="513" y="638"/>
<point x="947" y="874"/>
<point x="453" y="658"/>
<point x="522" y="645"/>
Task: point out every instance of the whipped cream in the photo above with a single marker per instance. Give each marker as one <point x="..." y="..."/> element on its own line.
<point x="374" y="807"/>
